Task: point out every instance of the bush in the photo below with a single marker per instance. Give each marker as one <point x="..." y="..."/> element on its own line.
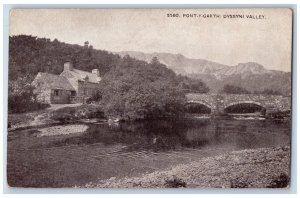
<point x="21" y="97"/>
<point x="281" y="181"/>
<point x="175" y="183"/>
<point x="279" y="114"/>
<point x="96" y="97"/>
<point x="231" y="89"/>
<point x="189" y="85"/>
<point x="63" y="118"/>
<point x="238" y="184"/>
<point x="271" y="92"/>
<point x="71" y="114"/>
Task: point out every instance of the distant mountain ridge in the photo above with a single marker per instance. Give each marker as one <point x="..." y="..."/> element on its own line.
<point x="215" y="75"/>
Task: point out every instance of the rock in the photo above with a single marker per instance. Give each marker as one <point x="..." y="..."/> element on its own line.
<point x="62" y="130"/>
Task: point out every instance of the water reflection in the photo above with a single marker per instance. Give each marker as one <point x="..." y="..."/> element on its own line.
<point x="189" y="133"/>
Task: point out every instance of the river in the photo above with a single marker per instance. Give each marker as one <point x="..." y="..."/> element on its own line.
<point x="130" y="149"/>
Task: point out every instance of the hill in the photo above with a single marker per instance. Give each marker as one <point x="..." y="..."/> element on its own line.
<point x="251" y="76"/>
<point x="29" y="55"/>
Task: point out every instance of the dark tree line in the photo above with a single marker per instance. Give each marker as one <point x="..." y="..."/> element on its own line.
<point x="268" y="92"/>
<point x="231" y="89"/>
<point x="29" y="55"/>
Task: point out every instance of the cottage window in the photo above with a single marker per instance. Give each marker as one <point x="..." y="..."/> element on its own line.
<point x="56" y="92"/>
<point x="73" y="93"/>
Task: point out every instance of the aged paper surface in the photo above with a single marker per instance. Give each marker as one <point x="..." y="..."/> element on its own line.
<point x="147" y="98"/>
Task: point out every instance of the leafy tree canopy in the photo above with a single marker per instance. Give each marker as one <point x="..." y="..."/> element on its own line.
<point x="267" y="91"/>
<point x="137" y="90"/>
<point x="21" y="97"/>
<point x="231" y="89"/>
<point x="29" y="55"/>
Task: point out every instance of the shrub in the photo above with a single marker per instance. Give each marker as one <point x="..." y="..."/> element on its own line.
<point x="189" y="85"/>
<point x="63" y="117"/>
<point x="21" y="97"/>
<point x="231" y="89"/>
<point x="175" y="183"/>
<point x="96" y="97"/>
<point x="70" y="114"/>
<point x="281" y="181"/>
<point x="271" y="92"/>
<point x="279" y="114"/>
<point x="238" y="184"/>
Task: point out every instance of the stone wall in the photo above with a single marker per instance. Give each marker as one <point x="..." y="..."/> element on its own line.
<point x="63" y="97"/>
<point x="87" y="88"/>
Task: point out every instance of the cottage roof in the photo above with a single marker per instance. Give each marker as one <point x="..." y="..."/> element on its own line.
<point x="53" y="81"/>
<point x="83" y="75"/>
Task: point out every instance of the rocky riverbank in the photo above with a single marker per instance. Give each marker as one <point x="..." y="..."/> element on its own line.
<point x="56" y="114"/>
<point x="252" y="168"/>
<point x="62" y="130"/>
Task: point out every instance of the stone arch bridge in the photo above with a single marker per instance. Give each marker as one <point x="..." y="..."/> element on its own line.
<point x="219" y="102"/>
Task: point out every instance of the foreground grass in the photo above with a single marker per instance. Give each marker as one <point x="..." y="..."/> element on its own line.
<point x="254" y="168"/>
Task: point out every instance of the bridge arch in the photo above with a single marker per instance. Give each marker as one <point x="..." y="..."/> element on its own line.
<point x="198" y="107"/>
<point x="245" y="107"/>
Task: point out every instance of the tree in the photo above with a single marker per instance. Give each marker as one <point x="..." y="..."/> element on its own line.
<point x="188" y="85"/>
<point x="136" y="90"/>
<point x="270" y="92"/>
<point x="29" y="55"/>
<point x="21" y="97"/>
<point x="86" y="44"/>
<point x="231" y="89"/>
<point x="154" y="61"/>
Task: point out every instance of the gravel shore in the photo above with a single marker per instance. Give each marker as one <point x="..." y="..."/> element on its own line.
<point x="252" y="168"/>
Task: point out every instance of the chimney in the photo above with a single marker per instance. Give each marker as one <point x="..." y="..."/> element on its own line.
<point x="96" y="71"/>
<point x="68" y="66"/>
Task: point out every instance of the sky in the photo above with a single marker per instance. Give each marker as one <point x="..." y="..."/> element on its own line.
<point x="265" y="38"/>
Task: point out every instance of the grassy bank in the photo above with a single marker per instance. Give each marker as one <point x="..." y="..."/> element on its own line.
<point x="253" y="168"/>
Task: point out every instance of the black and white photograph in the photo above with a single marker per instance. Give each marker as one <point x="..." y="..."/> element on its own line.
<point x="149" y="98"/>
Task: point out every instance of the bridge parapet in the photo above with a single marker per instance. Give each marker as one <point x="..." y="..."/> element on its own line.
<point x="219" y="102"/>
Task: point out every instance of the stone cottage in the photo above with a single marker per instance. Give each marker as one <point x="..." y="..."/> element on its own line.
<point x="71" y="86"/>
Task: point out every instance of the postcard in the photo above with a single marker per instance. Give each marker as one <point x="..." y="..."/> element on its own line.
<point x="149" y="98"/>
